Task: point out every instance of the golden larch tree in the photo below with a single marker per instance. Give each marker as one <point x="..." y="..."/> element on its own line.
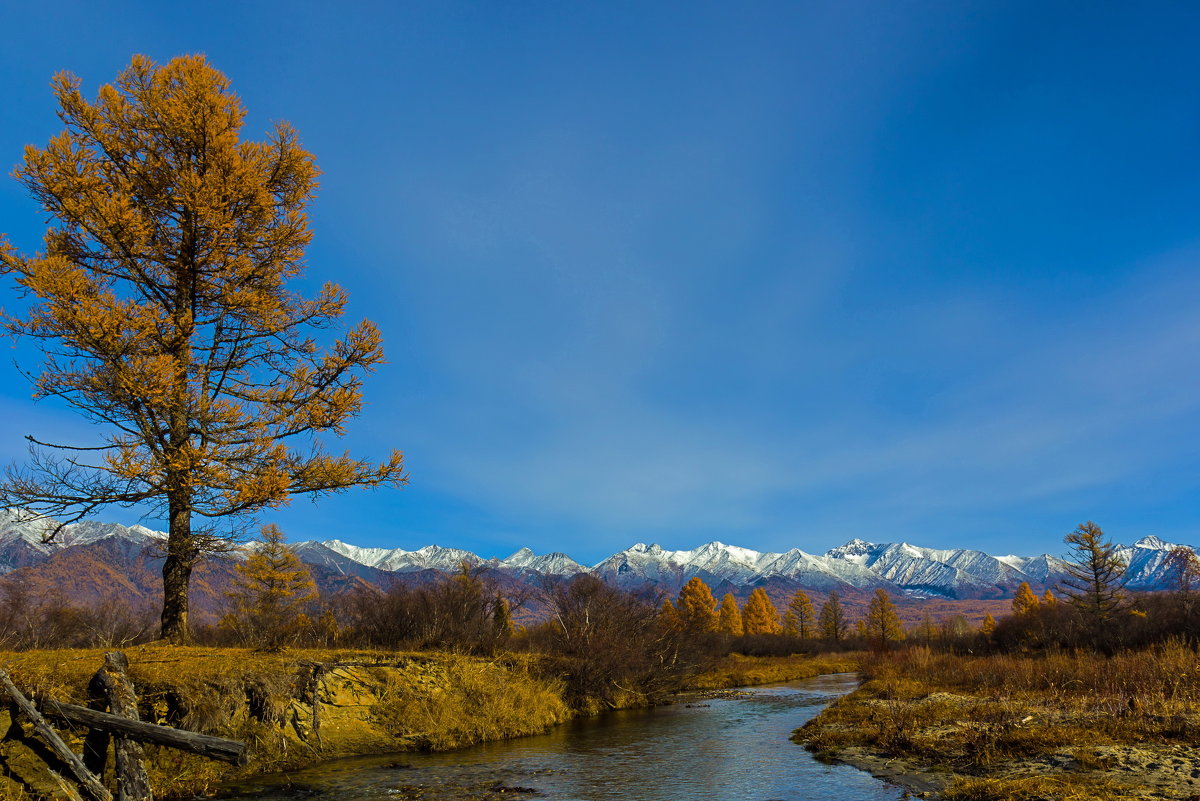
<point x="161" y="303"/>
<point x="882" y="621"/>
<point x="1048" y="598"/>
<point x="1024" y="601"/>
<point x="729" y="617"/>
<point x="1095" y="576"/>
<point x="696" y="606"/>
<point x="759" y="615"/>
<point x="801" y="610"/>
<point x="988" y="627"/>
<point x="832" y="621"/>
<point x="270" y="590"/>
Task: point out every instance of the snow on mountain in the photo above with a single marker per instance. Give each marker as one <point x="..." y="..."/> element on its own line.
<point x="823" y="572"/>
<point x="1044" y="569"/>
<point x="957" y="572"/>
<point x="856" y="551"/>
<point x="716" y="562"/>
<point x="398" y="560"/>
<point x="25" y="537"/>
<point x="921" y="569"/>
<point x="1145" y="561"/>
<point x="640" y="564"/>
<point x="550" y="564"/>
<point x="858" y="564"/>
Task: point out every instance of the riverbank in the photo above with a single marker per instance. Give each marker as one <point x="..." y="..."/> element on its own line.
<point x="728" y="744"/>
<point x="306" y="706"/>
<point x="1017" y="728"/>
<point x="736" y="670"/>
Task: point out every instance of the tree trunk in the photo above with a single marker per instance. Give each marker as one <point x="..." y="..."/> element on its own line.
<point x="177" y="573"/>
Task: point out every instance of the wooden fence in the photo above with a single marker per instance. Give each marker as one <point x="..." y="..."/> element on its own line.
<point x="111" y="689"/>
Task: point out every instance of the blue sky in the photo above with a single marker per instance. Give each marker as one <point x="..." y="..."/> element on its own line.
<point x="778" y="275"/>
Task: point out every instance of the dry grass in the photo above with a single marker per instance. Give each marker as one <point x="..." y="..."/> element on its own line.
<point x="480" y="701"/>
<point x="736" y="670"/>
<point x="64" y="674"/>
<point x="1011" y="720"/>
<point x="1038" y="788"/>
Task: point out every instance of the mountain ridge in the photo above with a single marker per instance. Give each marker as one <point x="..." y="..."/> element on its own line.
<point x="857" y="565"/>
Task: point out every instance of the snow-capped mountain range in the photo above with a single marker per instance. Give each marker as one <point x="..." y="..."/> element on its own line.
<point x="857" y="565"/>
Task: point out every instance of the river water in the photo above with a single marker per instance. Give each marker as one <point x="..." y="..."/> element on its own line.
<point x="721" y="749"/>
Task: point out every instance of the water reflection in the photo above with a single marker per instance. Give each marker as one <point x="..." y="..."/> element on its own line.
<point x="723" y="749"/>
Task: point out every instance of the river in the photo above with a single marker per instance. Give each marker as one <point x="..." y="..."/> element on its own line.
<point x="720" y="749"/>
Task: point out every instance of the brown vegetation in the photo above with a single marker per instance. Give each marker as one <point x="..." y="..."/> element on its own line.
<point x="1008" y="717"/>
<point x="737" y="670"/>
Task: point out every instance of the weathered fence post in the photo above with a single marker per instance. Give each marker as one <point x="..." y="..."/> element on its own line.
<point x="112" y="684"/>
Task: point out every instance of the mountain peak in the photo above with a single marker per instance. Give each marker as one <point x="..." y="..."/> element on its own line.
<point x="520" y="556"/>
<point x="854" y="547"/>
<point x="1152" y="543"/>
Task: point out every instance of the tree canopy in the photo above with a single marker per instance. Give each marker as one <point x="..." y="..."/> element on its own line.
<point x="1024" y="601"/>
<point x="162" y="306"/>
<point x="697" y="607"/>
<point x="729" y="617"/>
<point x="759" y="615"/>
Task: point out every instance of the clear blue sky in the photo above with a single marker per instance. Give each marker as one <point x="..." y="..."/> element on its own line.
<point x="778" y="275"/>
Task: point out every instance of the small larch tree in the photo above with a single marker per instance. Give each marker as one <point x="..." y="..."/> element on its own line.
<point x="882" y="621"/>
<point x="801" y="609"/>
<point x="697" y="607"/>
<point x="832" y="620"/>
<point x="988" y="627"/>
<point x="161" y="303"/>
<point x="1095" y="576"/>
<point x="270" y="591"/>
<point x="729" y="617"/>
<point x="1024" y="601"/>
<point x="759" y="615"/>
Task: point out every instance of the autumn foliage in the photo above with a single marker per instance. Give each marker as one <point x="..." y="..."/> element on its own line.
<point x="163" y="305"/>
<point x="759" y="615"/>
